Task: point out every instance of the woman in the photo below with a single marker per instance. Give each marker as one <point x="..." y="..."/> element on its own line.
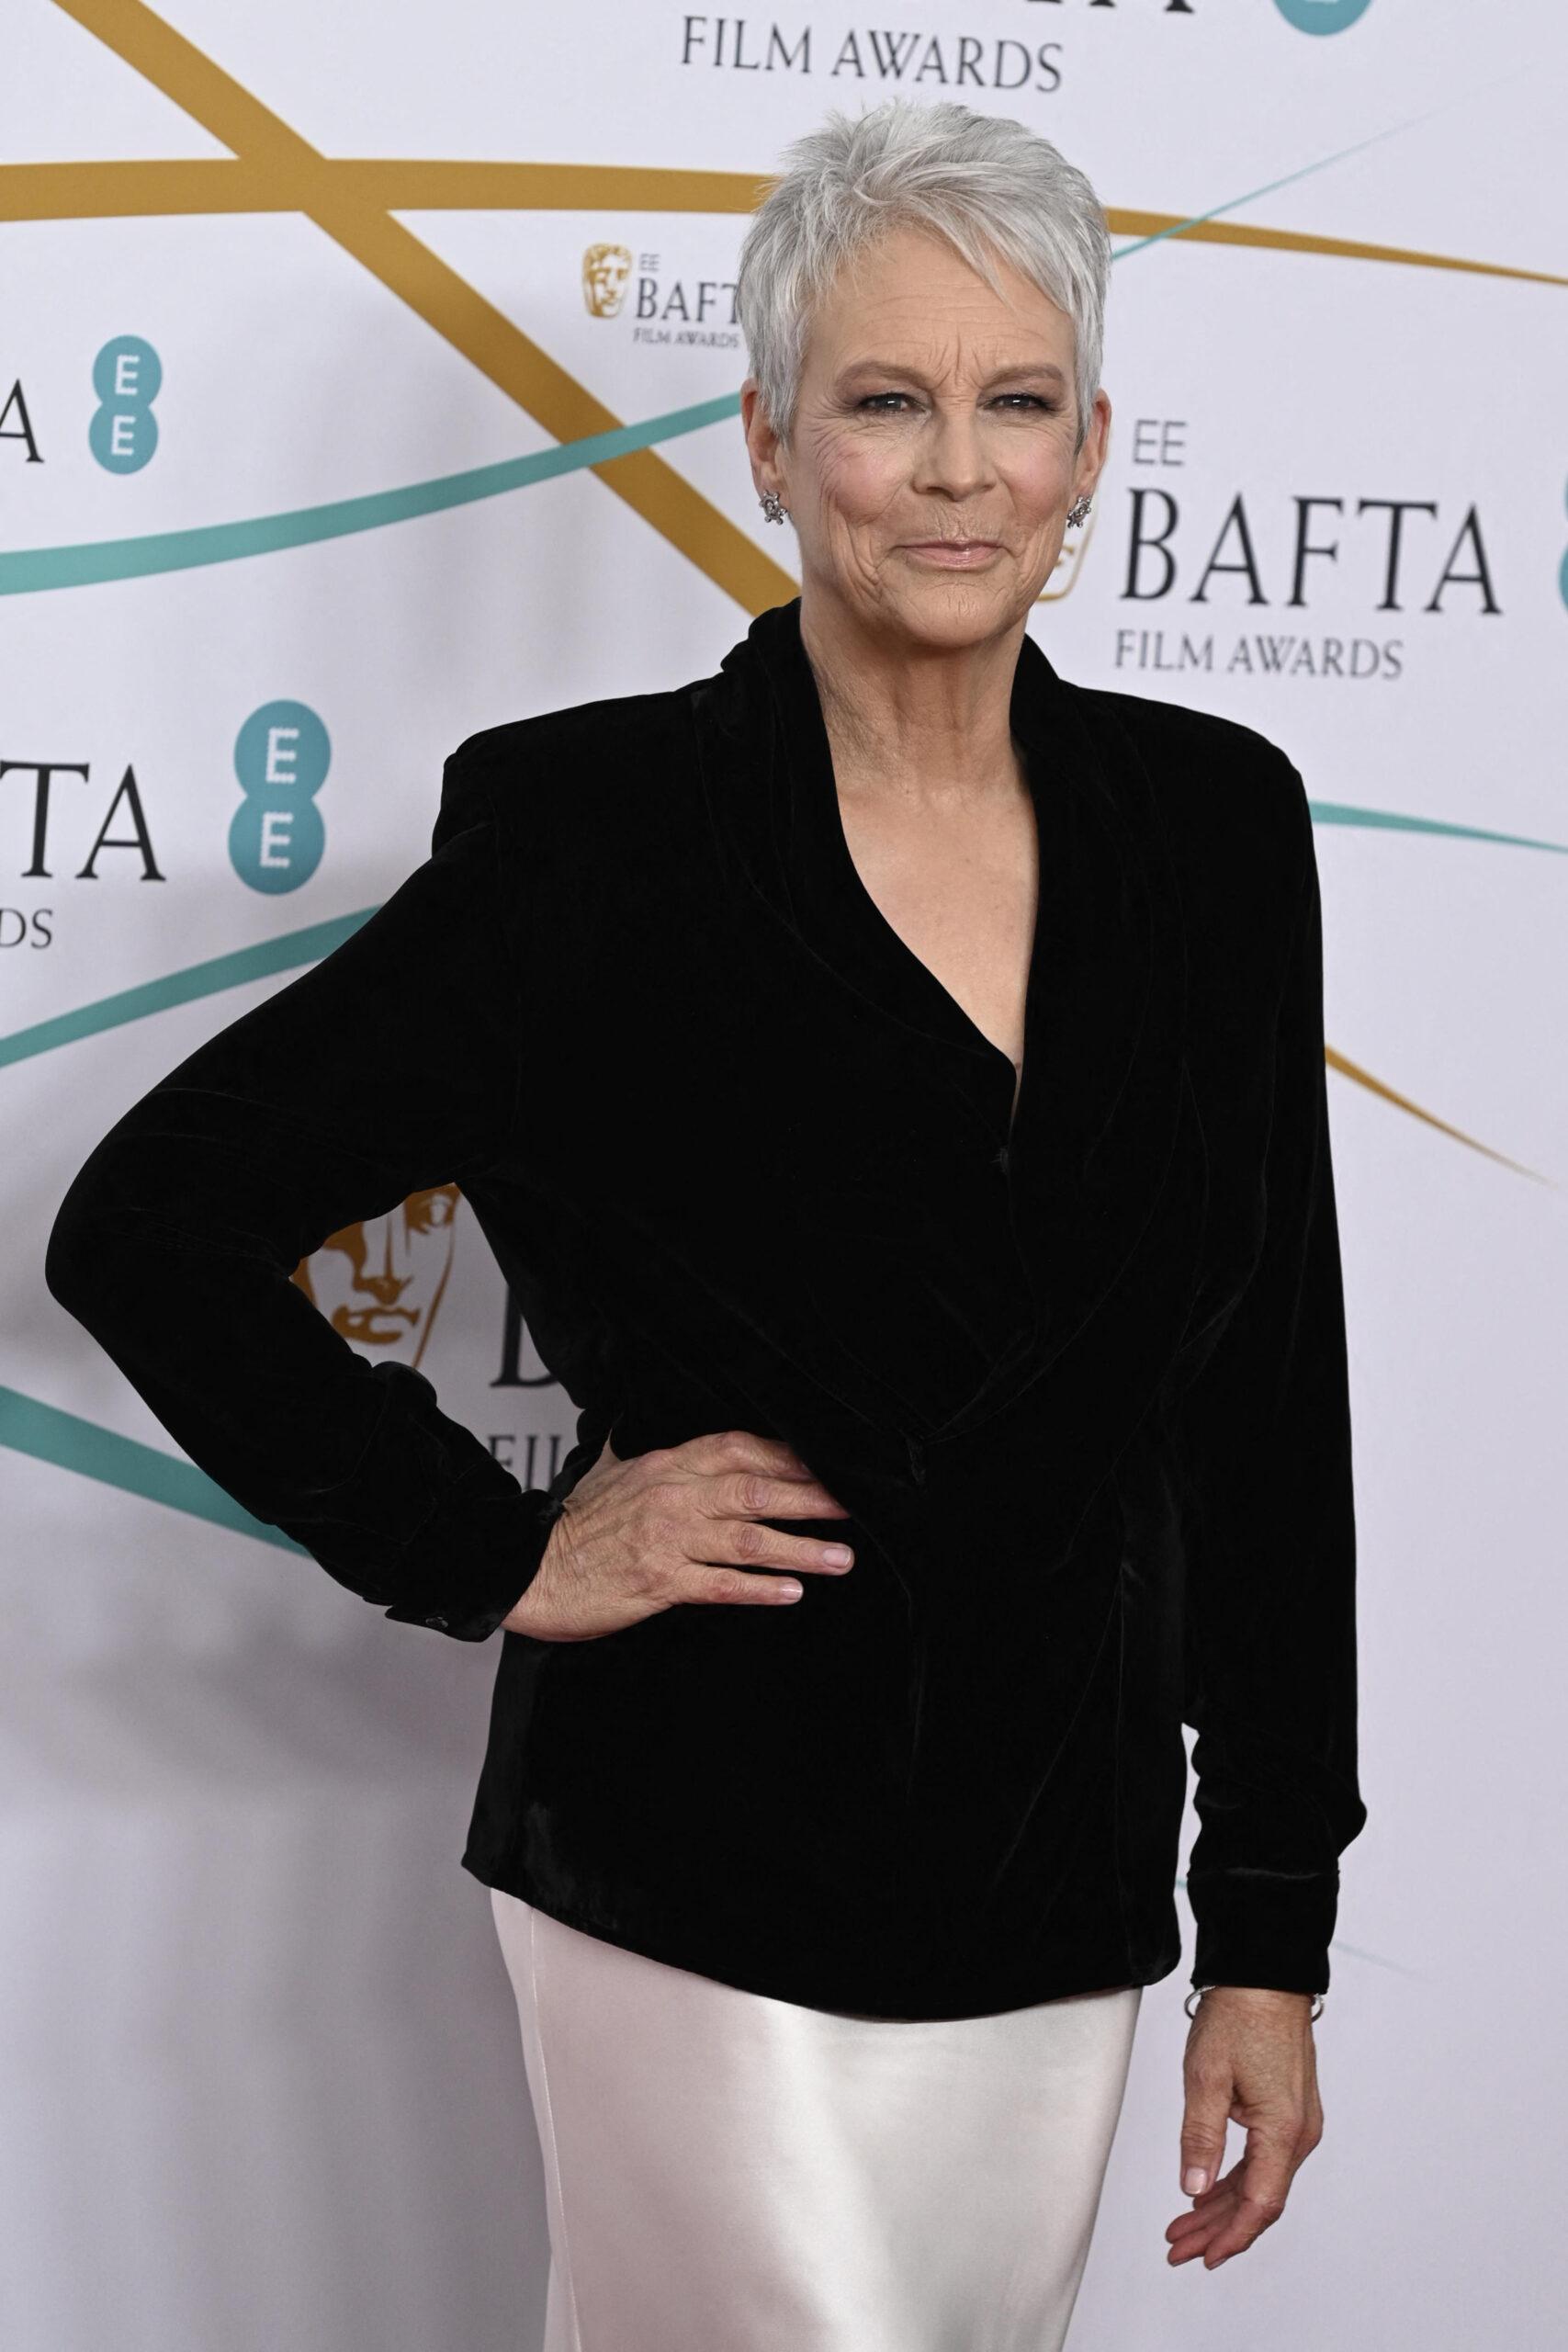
<point x="891" y="1079"/>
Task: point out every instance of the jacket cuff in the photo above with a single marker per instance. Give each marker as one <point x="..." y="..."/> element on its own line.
<point x="488" y="1567"/>
<point x="1266" y="1929"/>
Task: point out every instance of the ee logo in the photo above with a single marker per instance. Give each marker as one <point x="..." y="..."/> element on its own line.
<point x="123" y="431"/>
<point x="1322" y="16"/>
<point x="281" y="755"/>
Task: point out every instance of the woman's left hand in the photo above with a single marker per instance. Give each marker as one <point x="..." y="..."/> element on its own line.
<point x="1250" y="2059"/>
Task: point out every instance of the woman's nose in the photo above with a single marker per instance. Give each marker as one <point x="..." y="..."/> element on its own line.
<point x="954" y="456"/>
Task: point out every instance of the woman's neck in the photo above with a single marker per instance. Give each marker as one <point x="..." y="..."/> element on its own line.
<point x="915" y="720"/>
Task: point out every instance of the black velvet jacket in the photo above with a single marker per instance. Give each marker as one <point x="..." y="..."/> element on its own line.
<point x="1078" y="1375"/>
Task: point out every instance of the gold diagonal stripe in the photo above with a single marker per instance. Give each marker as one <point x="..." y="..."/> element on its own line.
<point x="303" y="180"/>
<point x="216" y="184"/>
<point x="84" y="191"/>
<point x="1302" y="241"/>
<point x="1387" y="1094"/>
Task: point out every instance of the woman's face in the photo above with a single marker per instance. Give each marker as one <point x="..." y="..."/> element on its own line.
<point x="930" y="409"/>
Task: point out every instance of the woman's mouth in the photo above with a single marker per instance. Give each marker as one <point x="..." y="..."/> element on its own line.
<point x="959" y="554"/>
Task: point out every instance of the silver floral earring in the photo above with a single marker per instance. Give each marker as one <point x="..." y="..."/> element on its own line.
<point x="772" y="506"/>
<point x="1078" y="513"/>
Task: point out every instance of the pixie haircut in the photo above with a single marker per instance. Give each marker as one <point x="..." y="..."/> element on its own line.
<point x="988" y="185"/>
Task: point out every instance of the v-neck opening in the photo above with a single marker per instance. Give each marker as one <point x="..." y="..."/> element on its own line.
<point x="1017" y="1072"/>
<point x="932" y="1007"/>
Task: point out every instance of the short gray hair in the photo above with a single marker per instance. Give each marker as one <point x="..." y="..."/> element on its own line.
<point x="988" y="184"/>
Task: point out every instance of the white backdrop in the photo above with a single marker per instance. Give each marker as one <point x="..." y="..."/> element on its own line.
<point x="264" y="2085"/>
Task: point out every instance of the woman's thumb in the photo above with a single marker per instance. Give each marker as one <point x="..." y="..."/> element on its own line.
<point x="1202" y="2140"/>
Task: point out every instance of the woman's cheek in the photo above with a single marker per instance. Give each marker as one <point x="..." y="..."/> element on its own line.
<point x="853" y="483"/>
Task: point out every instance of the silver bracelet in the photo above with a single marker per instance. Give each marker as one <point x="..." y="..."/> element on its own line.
<point x="1199" y="1990"/>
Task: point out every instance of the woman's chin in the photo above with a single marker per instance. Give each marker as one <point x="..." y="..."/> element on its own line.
<point x="954" y="607"/>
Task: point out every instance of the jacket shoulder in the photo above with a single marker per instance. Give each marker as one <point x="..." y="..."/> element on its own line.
<point x="1179" y="736"/>
<point x="508" y="774"/>
<point x="1232" y="799"/>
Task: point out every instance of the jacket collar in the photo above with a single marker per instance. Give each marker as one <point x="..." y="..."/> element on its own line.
<point x="1106" y="1017"/>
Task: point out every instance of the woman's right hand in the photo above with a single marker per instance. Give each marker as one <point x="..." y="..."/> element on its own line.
<point x="677" y="1524"/>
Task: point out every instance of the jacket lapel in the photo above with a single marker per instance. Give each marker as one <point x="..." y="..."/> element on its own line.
<point x="1102" y="1107"/>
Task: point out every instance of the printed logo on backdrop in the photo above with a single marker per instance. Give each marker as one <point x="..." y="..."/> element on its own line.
<point x="1322" y="16"/>
<point x="1285" y="554"/>
<point x="605" y="269"/>
<point x="63" y="824"/>
<point x="1068" y="568"/>
<point x="379" y="1282"/>
<point x="281" y="756"/>
<point x="122" y="432"/>
<point x="15" y="424"/>
<point x="933" y="62"/>
<point x="664" y="309"/>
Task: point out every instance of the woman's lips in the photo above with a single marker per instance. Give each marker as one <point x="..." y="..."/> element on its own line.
<point x="959" y="555"/>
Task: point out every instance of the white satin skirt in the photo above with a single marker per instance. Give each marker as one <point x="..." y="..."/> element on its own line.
<point x="726" y="2172"/>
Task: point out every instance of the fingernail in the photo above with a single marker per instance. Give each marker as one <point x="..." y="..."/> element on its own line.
<point x="1194" y="2180"/>
<point x="789" y="1591"/>
<point x="837" y="1556"/>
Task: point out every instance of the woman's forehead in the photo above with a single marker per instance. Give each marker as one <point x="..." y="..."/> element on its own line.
<point x="914" y="288"/>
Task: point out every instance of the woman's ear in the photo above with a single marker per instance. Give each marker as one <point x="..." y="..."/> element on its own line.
<point x="1097" y="440"/>
<point x="761" y="442"/>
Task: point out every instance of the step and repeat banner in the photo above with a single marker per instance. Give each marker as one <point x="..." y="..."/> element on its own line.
<point x="369" y="377"/>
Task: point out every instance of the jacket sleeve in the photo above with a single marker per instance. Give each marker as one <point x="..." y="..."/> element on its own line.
<point x="391" y="1067"/>
<point x="1270" y="1540"/>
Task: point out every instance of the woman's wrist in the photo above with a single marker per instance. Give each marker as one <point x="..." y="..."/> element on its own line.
<point x="1198" y="1992"/>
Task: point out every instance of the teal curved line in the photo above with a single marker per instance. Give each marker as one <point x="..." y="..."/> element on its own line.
<point x="26" y="570"/>
<point x="1305" y="171"/>
<point x="1342" y="812"/>
<point x="318" y="939"/>
<point x="66" y="1442"/>
<point x="216" y="972"/>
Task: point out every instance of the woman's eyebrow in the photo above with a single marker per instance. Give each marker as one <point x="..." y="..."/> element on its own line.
<point x="1044" y="371"/>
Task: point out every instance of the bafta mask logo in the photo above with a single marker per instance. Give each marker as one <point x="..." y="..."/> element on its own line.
<point x="605" y="270"/>
<point x="1069" y="563"/>
<point x="379" y="1282"/>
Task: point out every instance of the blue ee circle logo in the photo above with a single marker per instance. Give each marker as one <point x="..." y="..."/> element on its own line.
<point x="1322" y="16"/>
<point x="122" y="432"/>
<point x="281" y="756"/>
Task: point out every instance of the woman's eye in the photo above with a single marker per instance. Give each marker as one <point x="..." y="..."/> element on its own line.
<point x="1034" y="400"/>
